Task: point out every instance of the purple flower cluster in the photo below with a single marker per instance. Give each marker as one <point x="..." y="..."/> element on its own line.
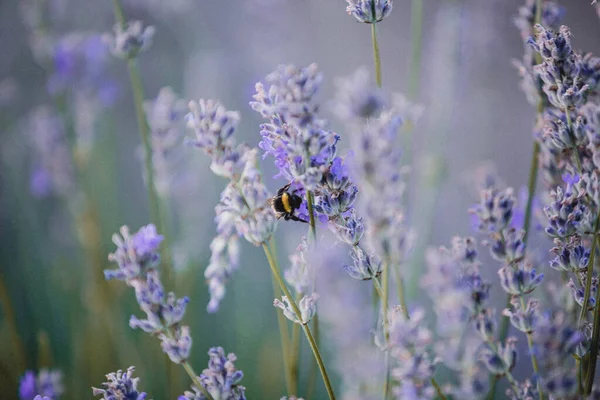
<point x="137" y="257"/>
<point x="129" y="40"/>
<point x="369" y="11"/>
<point x="47" y="384"/>
<point x="221" y="379"/>
<point x="243" y="209"/>
<point x="120" y="385"/>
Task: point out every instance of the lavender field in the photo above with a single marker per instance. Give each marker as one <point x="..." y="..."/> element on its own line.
<point x="299" y="199"/>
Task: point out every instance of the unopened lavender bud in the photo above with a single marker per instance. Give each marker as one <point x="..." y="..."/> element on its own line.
<point x="129" y="41"/>
<point x="369" y="11"/>
<point x="307" y="306"/>
<point x="519" y="280"/>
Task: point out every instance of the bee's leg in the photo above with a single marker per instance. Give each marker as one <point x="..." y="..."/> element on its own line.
<point x="294" y="218"/>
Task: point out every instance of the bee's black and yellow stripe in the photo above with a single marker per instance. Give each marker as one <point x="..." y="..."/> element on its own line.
<point x="285" y="202"/>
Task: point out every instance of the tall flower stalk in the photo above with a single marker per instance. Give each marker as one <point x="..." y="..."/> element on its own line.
<point x="130" y="39"/>
<point x="244" y="210"/>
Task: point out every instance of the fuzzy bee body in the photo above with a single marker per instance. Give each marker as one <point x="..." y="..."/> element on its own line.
<point x="284" y="204"/>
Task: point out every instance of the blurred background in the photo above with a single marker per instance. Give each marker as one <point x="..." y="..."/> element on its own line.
<point x="57" y="311"/>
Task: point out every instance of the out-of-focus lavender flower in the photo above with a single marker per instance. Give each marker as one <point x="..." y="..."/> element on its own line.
<point x="500" y="358"/>
<point x="47" y="383"/>
<point x="130" y="40"/>
<point x="80" y="63"/>
<point x="307" y="307"/>
<point x="357" y="97"/>
<point x="221" y="379"/>
<point x="38" y="397"/>
<point x="409" y="346"/>
<point x="164" y="114"/>
<point x="459" y="295"/>
<point x="120" y="385"/>
<point x="224" y="260"/>
<point x="300" y="273"/>
<point x="214" y="127"/>
<point x="555" y="340"/>
<point x="52" y="168"/>
<point x="369" y="11"/>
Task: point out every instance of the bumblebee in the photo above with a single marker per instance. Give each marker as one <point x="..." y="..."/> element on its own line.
<point x="284" y="203"/>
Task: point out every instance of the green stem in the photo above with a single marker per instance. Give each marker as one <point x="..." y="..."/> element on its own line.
<point x="378" y="288"/>
<point x="438" y="389"/>
<point x="153" y="199"/>
<point x="376" y="56"/>
<point x="312" y="372"/>
<point x="385" y="278"/>
<point x="590" y="271"/>
<point x="400" y="290"/>
<point x="593" y="357"/>
<point x="534" y="362"/>
<point x="285" y="345"/>
<point x="295" y="356"/>
<point x="305" y="328"/>
<point x="310" y="199"/>
<point x="190" y="371"/>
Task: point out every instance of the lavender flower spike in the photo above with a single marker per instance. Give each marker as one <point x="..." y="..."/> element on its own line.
<point x="221" y="379"/>
<point x="135" y="253"/>
<point x="127" y="42"/>
<point x="120" y="385"/>
<point x="369" y="11"/>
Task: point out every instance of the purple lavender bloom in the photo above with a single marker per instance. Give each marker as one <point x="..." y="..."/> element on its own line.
<point x="413" y="364"/>
<point x="135" y="254"/>
<point x="128" y="41"/>
<point x="366" y="265"/>
<point x="300" y="273"/>
<point x="495" y="210"/>
<point x="520" y="279"/>
<point x="224" y="260"/>
<point x="523" y="319"/>
<point x="120" y="385"/>
<point x="569" y="214"/>
<point x="555" y="340"/>
<point x="38" y="397"/>
<point x="295" y="135"/>
<point x="80" y="65"/>
<point x="47" y="383"/>
<point x="369" y="11"/>
<point x="178" y="345"/>
<point x="571" y="255"/>
<point x="500" y="358"/>
<point x="27" y="386"/>
<point x="221" y="379"/>
<point x="561" y="69"/>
